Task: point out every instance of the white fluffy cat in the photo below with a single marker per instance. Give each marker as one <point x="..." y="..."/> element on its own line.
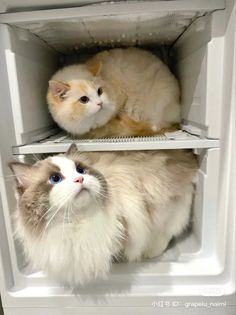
<point x="130" y="83"/>
<point x="77" y="212"/>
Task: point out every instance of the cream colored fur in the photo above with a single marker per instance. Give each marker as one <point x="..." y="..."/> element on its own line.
<point x="148" y="202"/>
<point x="135" y="82"/>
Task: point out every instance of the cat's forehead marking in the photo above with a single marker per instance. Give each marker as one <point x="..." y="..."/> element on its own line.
<point x="83" y="86"/>
<point x="65" y="165"/>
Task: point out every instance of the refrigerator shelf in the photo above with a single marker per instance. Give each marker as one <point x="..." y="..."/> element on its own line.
<point x="171" y="140"/>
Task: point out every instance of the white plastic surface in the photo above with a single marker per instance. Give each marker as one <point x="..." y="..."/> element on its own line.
<point x="201" y="268"/>
<point x="113" y="23"/>
<point x="109" y="30"/>
<point x="200" y="71"/>
<point x="171" y="140"/>
<point x="194" y="259"/>
<point x="30" y="64"/>
<point x="199" y="52"/>
<point x="26" y="5"/>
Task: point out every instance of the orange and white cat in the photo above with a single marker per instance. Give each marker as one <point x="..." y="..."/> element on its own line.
<point x="120" y="92"/>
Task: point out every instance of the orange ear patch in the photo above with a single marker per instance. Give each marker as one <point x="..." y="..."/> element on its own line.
<point x="95" y="69"/>
<point x="58" y="88"/>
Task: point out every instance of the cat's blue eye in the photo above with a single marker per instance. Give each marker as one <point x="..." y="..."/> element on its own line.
<point x="55" y="179"/>
<point x="84" y="99"/>
<point x="80" y="170"/>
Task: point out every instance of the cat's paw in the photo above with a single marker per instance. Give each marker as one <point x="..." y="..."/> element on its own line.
<point x="151" y="253"/>
<point x="157" y="247"/>
<point x="154" y="128"/>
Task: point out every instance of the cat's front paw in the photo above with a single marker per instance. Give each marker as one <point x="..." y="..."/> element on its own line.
<point x="151" y="253"/>
<point x="154" y="128"/>
<point x="157" y="247"/>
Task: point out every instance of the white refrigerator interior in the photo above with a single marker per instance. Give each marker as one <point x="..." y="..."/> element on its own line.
<point x="198" y="40"/>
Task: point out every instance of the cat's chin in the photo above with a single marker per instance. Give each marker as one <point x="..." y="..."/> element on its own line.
<point x="83" y="198"/>
<point x="102" y="117"/>
<point x="96" y="110"/>
<point x="83" y="191"/>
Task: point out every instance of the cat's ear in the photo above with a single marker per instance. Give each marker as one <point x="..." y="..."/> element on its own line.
<point x="23" y="175"/>
<point x="72" y="150"/>
<point x="95" y="68"/>
<point x="58" y="88"/>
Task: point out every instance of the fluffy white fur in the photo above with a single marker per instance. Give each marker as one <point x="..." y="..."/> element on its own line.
<point x="134" y="81"/>
<point x="92" y="117"/>
<point x="148" y="202"/>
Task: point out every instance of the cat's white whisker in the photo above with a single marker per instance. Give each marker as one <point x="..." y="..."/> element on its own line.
<point x="6" y="176"/>
<point x="68" y="213"/>
<point x="98" y="192"/>
<point x="71" y="210"/>
<point x="58" y="209"/>
<point x="63" y="224"/>
<point x="35" y="158"/>
<point x="60" y="200"/>
<point x="40" y="219"/>
<point x="48" y="223"/>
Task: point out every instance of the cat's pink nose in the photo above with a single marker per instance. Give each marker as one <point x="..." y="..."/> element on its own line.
<point x="100" y="104"/>
<point x="79" y="179"/>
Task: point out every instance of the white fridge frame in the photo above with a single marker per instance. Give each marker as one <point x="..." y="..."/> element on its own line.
<point x="202" y="286"/>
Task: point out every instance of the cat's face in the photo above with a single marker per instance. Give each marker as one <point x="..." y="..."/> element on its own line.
<point x="57" y="190"/>
<point x="79" y="105"/>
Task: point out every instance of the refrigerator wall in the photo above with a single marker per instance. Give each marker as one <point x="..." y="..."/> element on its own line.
<point x="200" y="37"/>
